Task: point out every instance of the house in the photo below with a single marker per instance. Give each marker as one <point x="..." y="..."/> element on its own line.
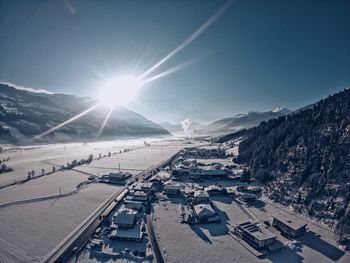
<point x="115" y="178"/>
<point x="196" y="173"/>
<point x="201" y="197"/>
<point x="180" y="171"/>
<point x="205" y="213"/>
<point x="214" y="190"/>
<point x="131" y="234"/>
<point x="157" y="181"/>
<point x="140" y="196"/>
<point x="96" y="243"/>
<point x="255" y="235"/>
<point x="146" y="187"/>
<point x="172" y="189"/>
<point x="289" y="225"/>
<point x="134" y="205"/>
<point x="124" y="218"/>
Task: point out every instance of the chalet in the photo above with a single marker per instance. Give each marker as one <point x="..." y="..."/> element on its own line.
<point x="134" y="205"/>
<point x="214" y="190"/>
<point x="131" y="234"/>
<point x="197" y="173"/>
<point x="146" y="187"/>
<point x="116" y="178"/>
<point x="205" y="213"/>
<point x="288" y="225"/>
<point x="124" y="218"/>
<point x="201" y="197"/>
<point x="258" y="237"/>
<point x="141" y="196"/>
<point x="157" y="181"/>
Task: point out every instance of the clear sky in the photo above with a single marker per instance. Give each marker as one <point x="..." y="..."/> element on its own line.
<point x="258" y="55"/>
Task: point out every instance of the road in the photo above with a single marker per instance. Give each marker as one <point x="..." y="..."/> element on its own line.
<point x="78" y="238"/>
<point x="156" y="250"/>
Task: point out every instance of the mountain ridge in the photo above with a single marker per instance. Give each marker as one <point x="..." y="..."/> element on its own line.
<point x="25" y="114"/>
<point x="303" y="159"/>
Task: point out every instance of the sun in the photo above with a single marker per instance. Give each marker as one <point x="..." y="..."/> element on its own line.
<point x="119" y="91"/>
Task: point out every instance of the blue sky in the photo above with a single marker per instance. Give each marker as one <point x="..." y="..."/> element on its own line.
<point x="258" y="55"/>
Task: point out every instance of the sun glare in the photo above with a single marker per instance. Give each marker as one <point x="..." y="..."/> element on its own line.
<point x="119" y="90"/>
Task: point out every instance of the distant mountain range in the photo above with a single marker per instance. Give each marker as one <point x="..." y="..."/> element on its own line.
<point x="241" y="121"/>
<point x="27" y="113"/>
<point x="227" y="125"/>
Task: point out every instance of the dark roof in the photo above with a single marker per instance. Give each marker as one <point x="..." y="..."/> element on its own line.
<point x="290" y="221"/>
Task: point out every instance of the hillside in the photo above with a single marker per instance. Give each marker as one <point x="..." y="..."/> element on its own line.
<point x="25" y="114"/>
<point x="304" y="159"/>
<point x="241" y="121"/>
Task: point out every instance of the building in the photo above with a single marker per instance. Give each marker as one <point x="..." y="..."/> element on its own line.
<point x="255" y="235"/>
<point x="146" y="187"/>
<point x="157" y="182"/>
<point x="214" y="190"/>
<point x="201" y="197"/>
<point x="124" y="218"/>
<point x="131" y="234"/>
<point x="172" y="189"/>
<point x="140" y="196"/>
<point x="196" y="173"/>
<point x="288" y="225"/>
<point x="204" y="213"/>
<point x="247" y="197"/>
<point x="116" y="178"/>
<point x="96" y="243"/>
<point x="134" y="205"/>
<point x="180" y="171"/>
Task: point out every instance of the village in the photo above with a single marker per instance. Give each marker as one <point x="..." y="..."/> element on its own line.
<point x="202" y="205"/>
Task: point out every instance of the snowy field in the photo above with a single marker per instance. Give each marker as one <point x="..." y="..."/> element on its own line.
<point x="27" y="158"/>
<point x="29" y="231"/>
<point x="36" y="228"/>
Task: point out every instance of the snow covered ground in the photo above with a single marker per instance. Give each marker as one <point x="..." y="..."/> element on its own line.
<point x="198" y="243"/>
<point x="212" y="242"/>
<point x="29" y="231"/>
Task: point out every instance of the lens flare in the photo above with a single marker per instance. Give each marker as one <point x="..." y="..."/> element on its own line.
<point x="119" y="91"/>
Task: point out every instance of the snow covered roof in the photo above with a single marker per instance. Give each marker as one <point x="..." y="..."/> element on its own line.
<point x="204" y="211"/>
<point x="169" y="185"/>
<point x="213" y="187"/>
<point x="119" y="175"/>
<point x="125" y="217"/>
<point x="201" y="194"/>
<point x="129" y="233"/>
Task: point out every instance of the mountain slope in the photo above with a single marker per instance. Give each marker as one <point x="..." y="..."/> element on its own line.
<point x="241" y="121"/>
<point x="304" y="158"/>
<point x="25" y="114"/>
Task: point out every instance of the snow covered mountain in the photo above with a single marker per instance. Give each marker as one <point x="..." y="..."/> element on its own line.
<point x="241" y="121"/>
<point x="27" y="113"/>
<point x="304" y="159"/>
